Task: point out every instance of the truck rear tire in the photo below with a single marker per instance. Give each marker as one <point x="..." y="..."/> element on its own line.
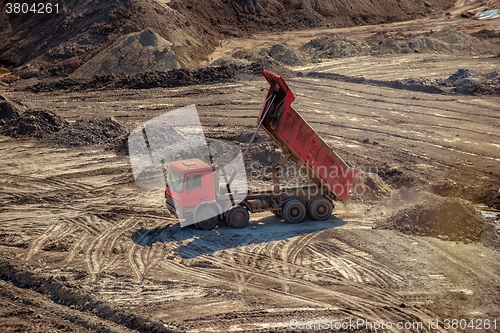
<point x="320" y="208"/>
<point x="294" y="211"/>
<point x="208" y="218"/>
<point x="238" y="217"/>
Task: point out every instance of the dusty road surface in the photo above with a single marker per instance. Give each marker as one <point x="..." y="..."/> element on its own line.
<point x="103" y="248"/>
<point x="82" y="247"/>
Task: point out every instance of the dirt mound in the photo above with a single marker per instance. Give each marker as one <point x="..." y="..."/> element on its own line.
<point x="490" y="35"/>
<point x="374" y="187"/>
<point x="169" y="79"/>
<point x="491" y="233"/>
<point x="464" y="81"/>
<point x="444" y="218"/>
<point x="36" y="123"/>
<point x="228" y="61"/>
<point x="285" y="55"/>
<point x="7" y="110"/>
<point x="485" y="193"/>
<point x="137" y="52"/>
<point x="447" y="40"/>
<point x="59" y="44"/>
<point x="335" y="46"/>
<point x="88" y="132"/>
<point x="468" y="82"/>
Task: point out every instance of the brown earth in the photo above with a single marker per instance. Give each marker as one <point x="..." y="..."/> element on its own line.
<point x="57" y="44"/>
<point x="444" y="218"/>
<point x="82" y="247"/>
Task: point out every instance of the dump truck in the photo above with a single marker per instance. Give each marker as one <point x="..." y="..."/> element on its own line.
<point x="194" y="191"/>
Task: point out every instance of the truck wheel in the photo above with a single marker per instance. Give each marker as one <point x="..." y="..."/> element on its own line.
<point x="294" y="211"/>
<point x="320" y="208"/>
<point x="238" y="217"/>
<point x="208" y="218"/>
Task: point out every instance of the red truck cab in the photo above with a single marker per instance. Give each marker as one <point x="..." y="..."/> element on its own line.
<point x="189" y="182"/>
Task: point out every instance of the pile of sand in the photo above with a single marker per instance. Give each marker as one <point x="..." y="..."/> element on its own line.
<point x="431" y="215"/>
<point x="36" y="123"/>
<point x="137" y="52"/>
<point x="88" y="132"/>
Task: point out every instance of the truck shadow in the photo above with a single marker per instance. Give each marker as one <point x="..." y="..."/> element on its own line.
<point x="189" y="242"/>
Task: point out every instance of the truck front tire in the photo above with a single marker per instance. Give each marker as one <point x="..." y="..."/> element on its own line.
<point x="294" y="211"/>
<point x="320" y="208"/>
<point x="208" y="218"/>
<point x="238" y="217"/>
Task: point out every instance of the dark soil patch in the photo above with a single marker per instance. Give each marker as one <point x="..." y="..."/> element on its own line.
<point x="397" y="178"/>
<point x="488" y="194"/>
<point x="445" y="218"/>
<point x="168" y="79"/>
<point x="88" y="132"/>
<point x="36" y="123"/>
<point x="487" y="34"/>
<point x="7" y="110"/>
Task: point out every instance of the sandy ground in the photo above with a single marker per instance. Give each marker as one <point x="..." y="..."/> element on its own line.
<point x="82" y="247"/>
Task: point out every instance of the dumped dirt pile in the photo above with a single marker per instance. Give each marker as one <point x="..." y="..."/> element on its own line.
<point x="447" y="40"/>
<point x="137" y="52"/>
<point x="431" y="215"/>
<point x="169" y="79"/>
<point x="7" y="110"/>
<point x="36" y="123"/>
<point x="335" y="46"/>
<point x="491" y="233"/>
<point x="464" y="81"/>
<point x="472" y="83"/>
<point x="374" y="187"/>
<point x="88" y="132"/>
<point x="59" y="44"/>
<point x="285" y="55"/>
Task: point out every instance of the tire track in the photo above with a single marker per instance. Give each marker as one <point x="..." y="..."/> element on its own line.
<point x="97" y="254"/>
<point x="52" y="234"/>
<point x="143" y="258"/>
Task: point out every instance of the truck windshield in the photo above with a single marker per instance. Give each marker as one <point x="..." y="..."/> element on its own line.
<point x="175" y="180"/>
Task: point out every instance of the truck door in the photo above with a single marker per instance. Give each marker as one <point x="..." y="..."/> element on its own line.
<point x="194" y="190"/>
